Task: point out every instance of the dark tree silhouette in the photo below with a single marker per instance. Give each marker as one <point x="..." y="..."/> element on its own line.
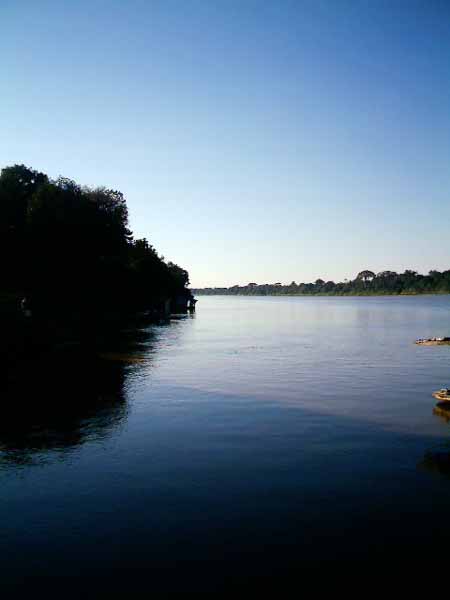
<point x="69" y="249"/>
<point x="366" y="275"/>
<point x="17" y="186"/>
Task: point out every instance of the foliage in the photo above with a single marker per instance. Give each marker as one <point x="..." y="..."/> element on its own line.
<point x="18" y="184"/>
<point x="366" y="275"/>
<point x="69" y="246"/>
<point x="366" y="283"/>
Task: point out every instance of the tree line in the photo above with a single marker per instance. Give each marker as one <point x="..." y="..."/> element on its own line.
<point x="366" y="283"/>
<point x="68" y="248"/>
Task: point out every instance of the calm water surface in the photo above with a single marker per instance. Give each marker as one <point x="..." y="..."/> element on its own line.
<point x="261" y="440"/>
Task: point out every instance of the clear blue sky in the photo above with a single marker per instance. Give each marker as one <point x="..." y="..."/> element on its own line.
<point x="254" y="140"/>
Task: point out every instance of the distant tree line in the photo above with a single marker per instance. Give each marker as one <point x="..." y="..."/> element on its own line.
<point x="366" y="283"/>
<point x="66" y="247"/>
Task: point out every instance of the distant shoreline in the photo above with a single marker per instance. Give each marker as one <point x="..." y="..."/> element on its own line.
<point x="366" y="283"/>
<point x="198" y="292"/>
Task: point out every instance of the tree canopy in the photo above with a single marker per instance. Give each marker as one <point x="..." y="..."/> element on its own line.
<point x="68" y="245"/>
<point x="365" y="283"/>
<point x="365" y="275"/>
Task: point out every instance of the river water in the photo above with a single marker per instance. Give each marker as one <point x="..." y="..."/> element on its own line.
<point x="256" y="442"/>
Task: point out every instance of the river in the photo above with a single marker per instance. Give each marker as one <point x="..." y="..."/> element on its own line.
<point x="260" y="440"/>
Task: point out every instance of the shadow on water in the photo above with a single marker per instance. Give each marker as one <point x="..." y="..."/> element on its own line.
<point x="64" y="397"/>
<point x="442" y="409"/>
<point x="438" y="461"/>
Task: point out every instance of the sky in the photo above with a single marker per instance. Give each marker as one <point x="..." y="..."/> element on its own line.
<point x="260" y="141"/>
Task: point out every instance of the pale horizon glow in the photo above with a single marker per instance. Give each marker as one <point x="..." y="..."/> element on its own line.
<point x="254" y="141"/>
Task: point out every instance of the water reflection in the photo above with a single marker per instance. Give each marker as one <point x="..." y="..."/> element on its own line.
<point x="437" y="462"/>
<point x="442" y="409"/>
<point x="57" y="401"/>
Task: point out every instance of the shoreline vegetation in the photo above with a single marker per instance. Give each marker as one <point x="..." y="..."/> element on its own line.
<point x="71" y="268"/>
<point x="366" y="283"/>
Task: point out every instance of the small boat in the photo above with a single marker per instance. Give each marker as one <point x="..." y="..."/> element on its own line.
<point x="443" y="395"/>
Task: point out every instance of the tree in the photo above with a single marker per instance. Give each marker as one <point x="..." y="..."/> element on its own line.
<point x="386" y="282"/>
<point x="18" y="184"/>
<point x="365" y="276"/>
<point x="80" y="242"/>
<point x="69" y="248"/>
<point x="179" y="277"/>
<point x="329" y="286"/>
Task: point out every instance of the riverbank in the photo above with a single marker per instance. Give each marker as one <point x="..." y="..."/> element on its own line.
<point x="24" y="338"/>
<point x="200" y="292"/>
<point x="74" y="266"/>
<point x="366" y="283"/>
